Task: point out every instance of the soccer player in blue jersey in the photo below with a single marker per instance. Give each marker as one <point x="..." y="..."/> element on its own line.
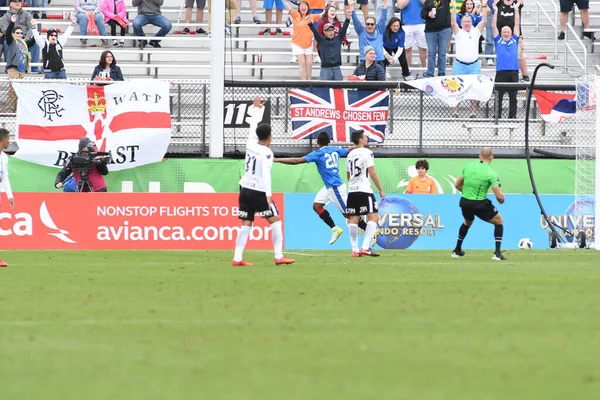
<point x="327" y="160"/>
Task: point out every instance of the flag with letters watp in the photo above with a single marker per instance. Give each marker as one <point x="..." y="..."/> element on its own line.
<point x="454" y="89"/>
<point x="339" y="112"/>
<point x="131" y="120"/>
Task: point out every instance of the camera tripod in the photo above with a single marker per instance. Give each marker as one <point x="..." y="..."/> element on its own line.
<point x="82" y="185"/>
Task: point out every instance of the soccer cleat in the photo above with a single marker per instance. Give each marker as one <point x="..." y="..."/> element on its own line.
<point x="356" y="254"/>
<point x="335" y="234"/>
<point x="458" y="254"/>
<point x="368" y="253"/>
<point x="241" y="263"/>
<point x="3" y="264"/>
<point x="498" y="257"/>
<point x="374" y="240"/>
<point x="284" y="260"/>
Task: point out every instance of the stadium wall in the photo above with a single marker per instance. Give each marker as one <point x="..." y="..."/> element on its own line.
<point x="221" y="176"/>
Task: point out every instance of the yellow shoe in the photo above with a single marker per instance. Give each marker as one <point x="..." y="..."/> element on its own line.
<point x="374" y="240"/>
<point x="335" y="234"/>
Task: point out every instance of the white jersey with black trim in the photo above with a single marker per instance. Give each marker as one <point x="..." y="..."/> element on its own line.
<point x="358" y="162"/>
<point x="259" y="160"/>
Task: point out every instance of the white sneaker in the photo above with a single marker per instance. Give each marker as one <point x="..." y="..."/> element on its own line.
<point x="115" y="43"/>
<point x="490" y="62"/>
<point x="294" y="59"/>
<point x="317" y="59"/>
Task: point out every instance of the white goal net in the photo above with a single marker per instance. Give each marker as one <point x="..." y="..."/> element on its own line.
<point x="587" y="151"/>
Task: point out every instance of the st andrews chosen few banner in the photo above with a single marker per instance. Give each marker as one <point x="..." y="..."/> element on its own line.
<point x="339" y="112"/>
<point x="131" y="120"/>
<point x="454" y="89"/>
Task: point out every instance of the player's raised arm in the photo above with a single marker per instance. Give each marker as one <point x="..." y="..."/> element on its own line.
<point x="256" y="112"/>
<point x="460" y="182"/>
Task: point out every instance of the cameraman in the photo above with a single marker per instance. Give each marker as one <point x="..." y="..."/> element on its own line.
<point x="98" y="168"/>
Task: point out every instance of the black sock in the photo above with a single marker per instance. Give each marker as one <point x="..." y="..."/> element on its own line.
<point x="362" y="224"/>
<point x="326" y="217"/>
<point x="498" y="231"/>
<point x="462" y="233"/>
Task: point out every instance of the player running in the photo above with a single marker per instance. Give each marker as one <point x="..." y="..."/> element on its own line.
<point x="474" y="183"/>
<point x="327" y="159"/>
<point x="360" y="166"/>
<point x="255" y="193"/>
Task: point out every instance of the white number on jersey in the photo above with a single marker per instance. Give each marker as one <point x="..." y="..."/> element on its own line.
<point x="331" y="160"/>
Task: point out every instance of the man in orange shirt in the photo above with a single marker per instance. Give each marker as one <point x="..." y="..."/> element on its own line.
<point x="421" y="184"/>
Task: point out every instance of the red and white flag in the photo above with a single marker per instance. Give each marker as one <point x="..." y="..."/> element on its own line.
<point x="131" y="120"/>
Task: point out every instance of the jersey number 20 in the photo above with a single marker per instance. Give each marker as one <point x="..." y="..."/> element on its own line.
<point x="331" y="160"/>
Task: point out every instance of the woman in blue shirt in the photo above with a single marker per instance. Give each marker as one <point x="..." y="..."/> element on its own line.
<point x="393" y="42"/>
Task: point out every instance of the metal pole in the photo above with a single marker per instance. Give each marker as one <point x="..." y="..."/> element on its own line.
<point x="217" y="78"/>
<point x="179" y="107"/>
<point x="566" y="45"/>
<point x="204" y="121"/>
<point x="420" y="122"/>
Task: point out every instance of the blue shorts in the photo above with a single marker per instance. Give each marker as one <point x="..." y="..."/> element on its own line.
<point x="268" y="4"/>
<point x="459" y="68"/>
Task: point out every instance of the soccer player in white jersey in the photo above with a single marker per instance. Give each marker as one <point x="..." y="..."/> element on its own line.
<point x="360" y="166"/>
<point x="255" y="195"/>
<point x="4" y="181"/>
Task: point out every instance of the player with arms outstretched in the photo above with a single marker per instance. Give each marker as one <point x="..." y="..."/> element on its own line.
<point x="474" y="183"/>
<point x="360" y="166"/>
<point x="327" y="159"/>
<point x="256" y="195"/>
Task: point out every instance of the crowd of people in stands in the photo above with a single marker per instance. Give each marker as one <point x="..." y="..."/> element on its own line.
<point x="385" y="40"/>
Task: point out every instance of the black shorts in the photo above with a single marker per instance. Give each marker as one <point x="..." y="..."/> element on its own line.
<point x="360" y="203"/>
<point x="567" y="5"/>
<point x="254" y="202"/>
<point x="482" y="209"/>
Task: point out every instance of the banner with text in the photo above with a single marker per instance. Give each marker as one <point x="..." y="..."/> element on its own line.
<point x="128" y="221"/>
<point x="130" y="120"/>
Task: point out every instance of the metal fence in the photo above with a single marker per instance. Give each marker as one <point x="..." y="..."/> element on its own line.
<point x="418" y="125"/>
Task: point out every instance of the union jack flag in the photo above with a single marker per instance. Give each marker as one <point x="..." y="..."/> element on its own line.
<point x="339" y="112"/>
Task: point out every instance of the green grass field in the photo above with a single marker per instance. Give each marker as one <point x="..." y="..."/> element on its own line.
<point x="408" y="325"/>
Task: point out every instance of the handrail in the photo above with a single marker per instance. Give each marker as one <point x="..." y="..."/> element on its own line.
<point x="568" y="46"/>
<point x="553" y="24"/>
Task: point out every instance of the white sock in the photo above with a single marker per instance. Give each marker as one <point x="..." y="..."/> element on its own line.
<point x="353" y="236"/>
<point x="277" y="233"/>
<point x="240" y="243"/>
<point x="369" y="233"/>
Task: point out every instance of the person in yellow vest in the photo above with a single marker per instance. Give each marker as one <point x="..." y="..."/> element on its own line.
<point x="422" y="183"/>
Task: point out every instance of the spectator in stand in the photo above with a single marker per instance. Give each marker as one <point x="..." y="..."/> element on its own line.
<point x="506" y="17"/>
<point x="369" y="69"/>
<point x="149" y="13"/>
<point x="2" y="4"/>
<point x="107" y="69"/>
<point x="414" y="28"/>
<point x="34" y="4"/>
<point x="17" y="60"/>
<point x="466" y="41"/>
<point x="302" y="37"/>
<point x="330" y="17"/>
<point x="393" y="44"/>
<point x="489" y="33"/>
<point x="371" y="33"/>
<point x="115" y="13"/>
<point x="189" y="5"/>
<point x="436" y="14"/>
<point x="279" y="5"/>
<point x="86" y="9"/>
<point x="507" y="60"/>
<point x="469" y="8"/>
<point x="317" y="7"/>
<point x="231" y="10"/>
<point x="24" y="21"/>
<point x="330" y="49"/>
<point x="422" y="183"/>
<point x="253" y="7"/>
<point x="565" y="7"/>
<point x="52" y="50"/>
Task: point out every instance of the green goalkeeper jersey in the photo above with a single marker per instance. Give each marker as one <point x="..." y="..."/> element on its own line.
<point x="479" y="177"/>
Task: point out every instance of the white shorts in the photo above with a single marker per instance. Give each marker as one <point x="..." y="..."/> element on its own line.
<point x="335" y="195"/>
<point x="297" y="50"/>
<point x="415" y="34"/>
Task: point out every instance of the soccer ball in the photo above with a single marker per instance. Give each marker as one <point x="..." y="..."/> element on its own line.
<point x="525" y="243"/>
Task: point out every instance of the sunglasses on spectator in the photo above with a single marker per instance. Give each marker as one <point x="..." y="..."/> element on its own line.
<point x="54" y="34"/>
<point x="370" y="24"/>
<point x="18" y="33"/>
